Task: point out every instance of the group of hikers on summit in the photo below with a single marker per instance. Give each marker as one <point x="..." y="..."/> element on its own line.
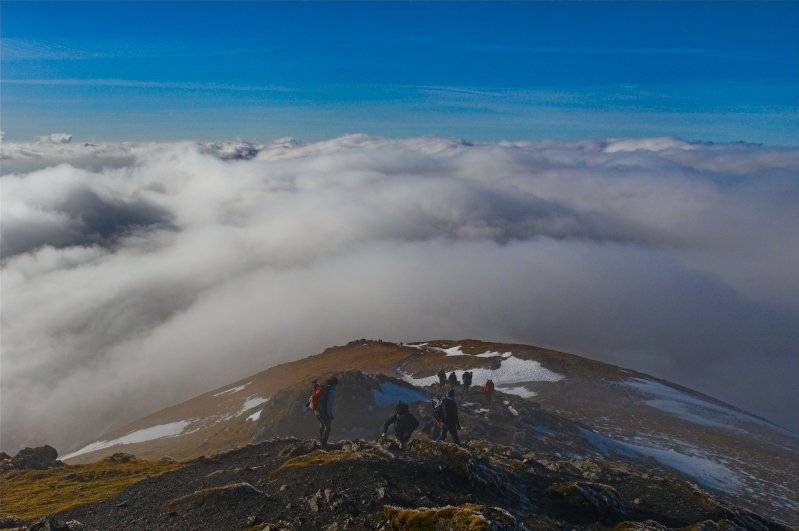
<point x="452" y="380"/>
<point x="445" y="410"/>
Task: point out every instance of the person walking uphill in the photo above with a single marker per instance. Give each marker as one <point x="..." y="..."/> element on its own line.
<point x="321" y="402"/>
<point x="404" y="424"/>
<point x="451" y="422"/>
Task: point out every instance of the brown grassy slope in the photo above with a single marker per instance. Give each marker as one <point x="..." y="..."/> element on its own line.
<point x="367" y="356"/>
<point x="34" y="493"/>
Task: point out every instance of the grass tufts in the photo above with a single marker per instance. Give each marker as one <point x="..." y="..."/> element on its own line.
<point x="321" y="457"/>
<point x="33" y="493"/>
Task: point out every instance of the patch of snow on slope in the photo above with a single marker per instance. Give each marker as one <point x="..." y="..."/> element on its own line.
<point x="251" y="403"/>
<point x="519" y="391"/>
<point x="255" y="416"/>
<point x="511" y="370"/>
<point x="453" y="351"/>
<point x="147" y="434"/>
<point x="392" y="393"/>
<point x="233" y="390"/>
<point x="705" y="470"/>
<point x="694" y="409"/>
<point x="491" y="354"/>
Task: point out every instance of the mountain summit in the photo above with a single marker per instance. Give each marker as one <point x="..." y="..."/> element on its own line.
<point x="547" y="403"/>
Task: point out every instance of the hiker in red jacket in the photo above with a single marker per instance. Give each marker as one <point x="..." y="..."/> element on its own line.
<point x="489" y="390"/>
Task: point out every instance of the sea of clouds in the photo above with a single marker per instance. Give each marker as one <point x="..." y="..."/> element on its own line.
<point x="135" y="276"/>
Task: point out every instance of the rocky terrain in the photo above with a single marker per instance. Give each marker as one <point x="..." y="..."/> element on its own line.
<point x="293" y="484"/>
<point x="567" y="443"/>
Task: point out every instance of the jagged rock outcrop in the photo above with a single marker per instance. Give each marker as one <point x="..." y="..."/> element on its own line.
<point x="39" y="458"/>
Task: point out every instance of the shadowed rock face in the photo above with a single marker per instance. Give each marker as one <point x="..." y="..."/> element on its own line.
<point x="39" y="458"/>
<point x="358" y="485"/>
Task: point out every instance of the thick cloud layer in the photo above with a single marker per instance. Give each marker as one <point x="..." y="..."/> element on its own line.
<point x="136" y="276"/>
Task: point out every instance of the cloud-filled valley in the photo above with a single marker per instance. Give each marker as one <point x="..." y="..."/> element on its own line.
<point x="135" y="276"/>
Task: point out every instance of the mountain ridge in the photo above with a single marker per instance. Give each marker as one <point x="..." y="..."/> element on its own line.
<point x="597" y="408"/>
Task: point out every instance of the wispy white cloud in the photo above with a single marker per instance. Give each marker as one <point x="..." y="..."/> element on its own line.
<point x="129" y="83"/>
<point x="138" y="275"/>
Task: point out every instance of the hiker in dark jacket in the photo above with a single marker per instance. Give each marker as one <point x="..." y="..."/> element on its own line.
<point x="451" y="422"/>
<point x="321" y="402"/>
<point x="404" y="424"/>
<point x="453" y="380"/>
<point x="442" y="378"/>
<point x="467" y="382"/>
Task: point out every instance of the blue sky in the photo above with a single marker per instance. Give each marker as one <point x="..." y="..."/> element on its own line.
<point x="710" y="71"/>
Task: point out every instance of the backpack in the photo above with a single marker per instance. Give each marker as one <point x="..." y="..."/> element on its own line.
<point x="319" y="397"/>
<point x="438" y="410"/>
<point x="489" y="386"/>
<point x="467" y="378"/>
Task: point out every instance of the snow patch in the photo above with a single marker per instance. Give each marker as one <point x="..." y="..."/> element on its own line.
<point x="390" y="394"/>
<point x="511" y="370"/>
<point x="147" y="434"/>
<point x="492" y="354"/>
<point x="251" y="403"/>
<point x="518" y="391"/>
<point x="453" y="351"/>
<point x="695" y="409"/>
<point x="705" y="470"/>
<point x="233" y="390"/>
<point x="255" y="416"/>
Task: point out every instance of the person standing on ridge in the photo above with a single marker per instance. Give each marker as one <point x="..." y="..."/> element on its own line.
<point x="451" y="422"/>
<point x="404" y="424"/>
<point x="489" y="390"/>
<point x="321" y="402"/>
<point x="453" y="380"/>
<point x="442" y="378"/>
<point x="467" y="382"/>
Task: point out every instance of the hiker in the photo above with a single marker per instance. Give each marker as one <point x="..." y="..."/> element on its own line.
<point x="467" y="382"/>
<point x="431" y="429"/>
<point x="453" y="380"/>
<point x="489" y="390"/>
<point x="442" y="378"/>
<point x="321" y="402"/>
<point x="450" y="422"/>
<point x="404" y="424"/>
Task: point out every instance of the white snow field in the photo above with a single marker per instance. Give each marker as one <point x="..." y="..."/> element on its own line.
<point x="147" y="434"/>
<point x="512" y="370"/>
